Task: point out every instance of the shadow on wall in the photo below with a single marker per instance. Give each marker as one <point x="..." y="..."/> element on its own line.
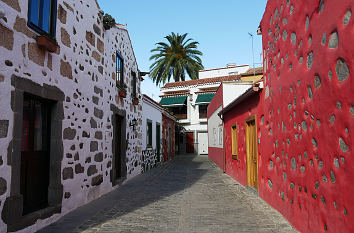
<point x="152" y="186"/>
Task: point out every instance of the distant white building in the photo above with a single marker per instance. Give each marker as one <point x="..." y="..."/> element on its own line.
<point x="189" y="100"/>
<point x="230" y="69"/>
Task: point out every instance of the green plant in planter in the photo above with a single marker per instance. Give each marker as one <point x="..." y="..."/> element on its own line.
<point x="123" y="87"/>
<point x="108" y="21"/>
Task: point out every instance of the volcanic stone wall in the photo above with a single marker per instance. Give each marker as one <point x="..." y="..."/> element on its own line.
<point x="168" y="123"/>
<point x="83" y="69"/>
<point x="306" y="161"/>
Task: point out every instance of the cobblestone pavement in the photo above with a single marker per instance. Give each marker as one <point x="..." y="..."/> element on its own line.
<point x="188" y="194"/>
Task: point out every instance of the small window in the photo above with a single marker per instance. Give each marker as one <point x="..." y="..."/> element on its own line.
<point x="119" y="70"/>
<point x="203" y="111"/>
<point x="134" y="84"/>
<point x="234" y="147"/>
<point x="149" y="133"/>
<point x="214" y="136"/>
<point x="220" y="135"/>
<point x="42" y="16"/>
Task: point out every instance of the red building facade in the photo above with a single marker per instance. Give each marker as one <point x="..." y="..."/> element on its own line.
<point x="305" y="163"/>
<point x="216" y="154"/>
<point x="168" y="137"/>
<point x="236" y="118"/>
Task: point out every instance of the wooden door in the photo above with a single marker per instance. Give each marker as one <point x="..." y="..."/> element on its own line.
<point x="158" y="142"/>
<point x="118" y="149"/>
<point x="252" y="154"/>
<point x="35" y="157"/>
<point x="190" y="143"/>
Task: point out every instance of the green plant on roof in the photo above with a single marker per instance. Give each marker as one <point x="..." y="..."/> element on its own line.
<point x="177" y="58"/>
<point x="108" y="21"/>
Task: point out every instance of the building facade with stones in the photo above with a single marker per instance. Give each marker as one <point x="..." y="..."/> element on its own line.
<point x="67" y="102"/>
<point x="306" y="158"/>
<point x="168" y="136"/>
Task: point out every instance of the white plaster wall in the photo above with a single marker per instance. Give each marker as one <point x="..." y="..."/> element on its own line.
<point x="212" y="73"/>
<point x="155" y="115"/>
<point x="82" y="18"/>
<point x="214" y="127"/>
<point x="231" y="91"/>
<point x="193" y="123"/>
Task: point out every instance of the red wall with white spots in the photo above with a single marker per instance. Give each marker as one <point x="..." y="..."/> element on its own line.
<point x="307" y="169"/>
<point x="237" y="169"/>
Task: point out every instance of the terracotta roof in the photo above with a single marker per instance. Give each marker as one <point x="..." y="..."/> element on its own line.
<point x="176" y="93"/>
<point x="257" y="71"/>
<point x="202" y="81"/>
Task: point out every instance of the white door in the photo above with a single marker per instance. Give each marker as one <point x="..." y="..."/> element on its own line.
<point x="202" y="143"/>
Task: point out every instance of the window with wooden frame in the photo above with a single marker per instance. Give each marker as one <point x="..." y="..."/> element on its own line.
<point x="42" y="16"/>
<point x="220" y="136"/>
<point x="134" y="80"/>
<point x="119" y="70"/>
<point x="234" y="146"/>
<point x="149" y="133"/>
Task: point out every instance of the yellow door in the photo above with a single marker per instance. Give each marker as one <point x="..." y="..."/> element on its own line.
<point x="251" y="150"/>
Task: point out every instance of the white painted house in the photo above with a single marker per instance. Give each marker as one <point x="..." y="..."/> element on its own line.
<point x="68" y="128"/>
<point x="151" y="133"/>
<point x="189" y="101"/>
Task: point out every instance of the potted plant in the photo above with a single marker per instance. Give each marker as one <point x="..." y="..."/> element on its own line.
<point x="123" y="91"/>
<point x="135" y="100"/>
<point x="47" y="43"/>
<point x="108" y="21"/>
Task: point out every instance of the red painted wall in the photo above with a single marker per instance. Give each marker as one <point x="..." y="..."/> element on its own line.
<point x="307" y="166"/>
<point x="166" y="123"/>
<point x="216" y="154"/>
<point x="216" y="101"/>
<point x="237" y="169"/>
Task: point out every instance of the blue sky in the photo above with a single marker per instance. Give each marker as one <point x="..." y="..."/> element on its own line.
<point x="221" y="27"/>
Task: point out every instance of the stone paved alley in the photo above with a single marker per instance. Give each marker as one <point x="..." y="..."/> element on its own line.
<point x="188" y="194"/>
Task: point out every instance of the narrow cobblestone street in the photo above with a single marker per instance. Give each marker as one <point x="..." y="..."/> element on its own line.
<point x="188" y="194"/>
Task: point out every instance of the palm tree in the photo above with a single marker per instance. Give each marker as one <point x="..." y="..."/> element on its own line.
<point x="176" y="58"/>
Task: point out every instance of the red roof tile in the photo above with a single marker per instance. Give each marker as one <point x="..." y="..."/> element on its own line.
<point x="202" y="81"/>
<point x="257" y="71"/>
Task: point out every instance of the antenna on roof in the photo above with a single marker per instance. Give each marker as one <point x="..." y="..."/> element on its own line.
<point x="254" y="71"/>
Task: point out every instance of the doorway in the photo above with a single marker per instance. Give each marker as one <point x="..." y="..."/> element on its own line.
<point x="251" y="152"/>
<point x="190" y="143"/>
<point x="35" y="153"/>
<point x="203" y="143"/>
<point x="118" y="147"/>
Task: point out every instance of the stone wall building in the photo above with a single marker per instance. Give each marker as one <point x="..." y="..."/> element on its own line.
<point x="168" y="136"/>
<point x="65" y="122"/>
<point x="307" y="123"/>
